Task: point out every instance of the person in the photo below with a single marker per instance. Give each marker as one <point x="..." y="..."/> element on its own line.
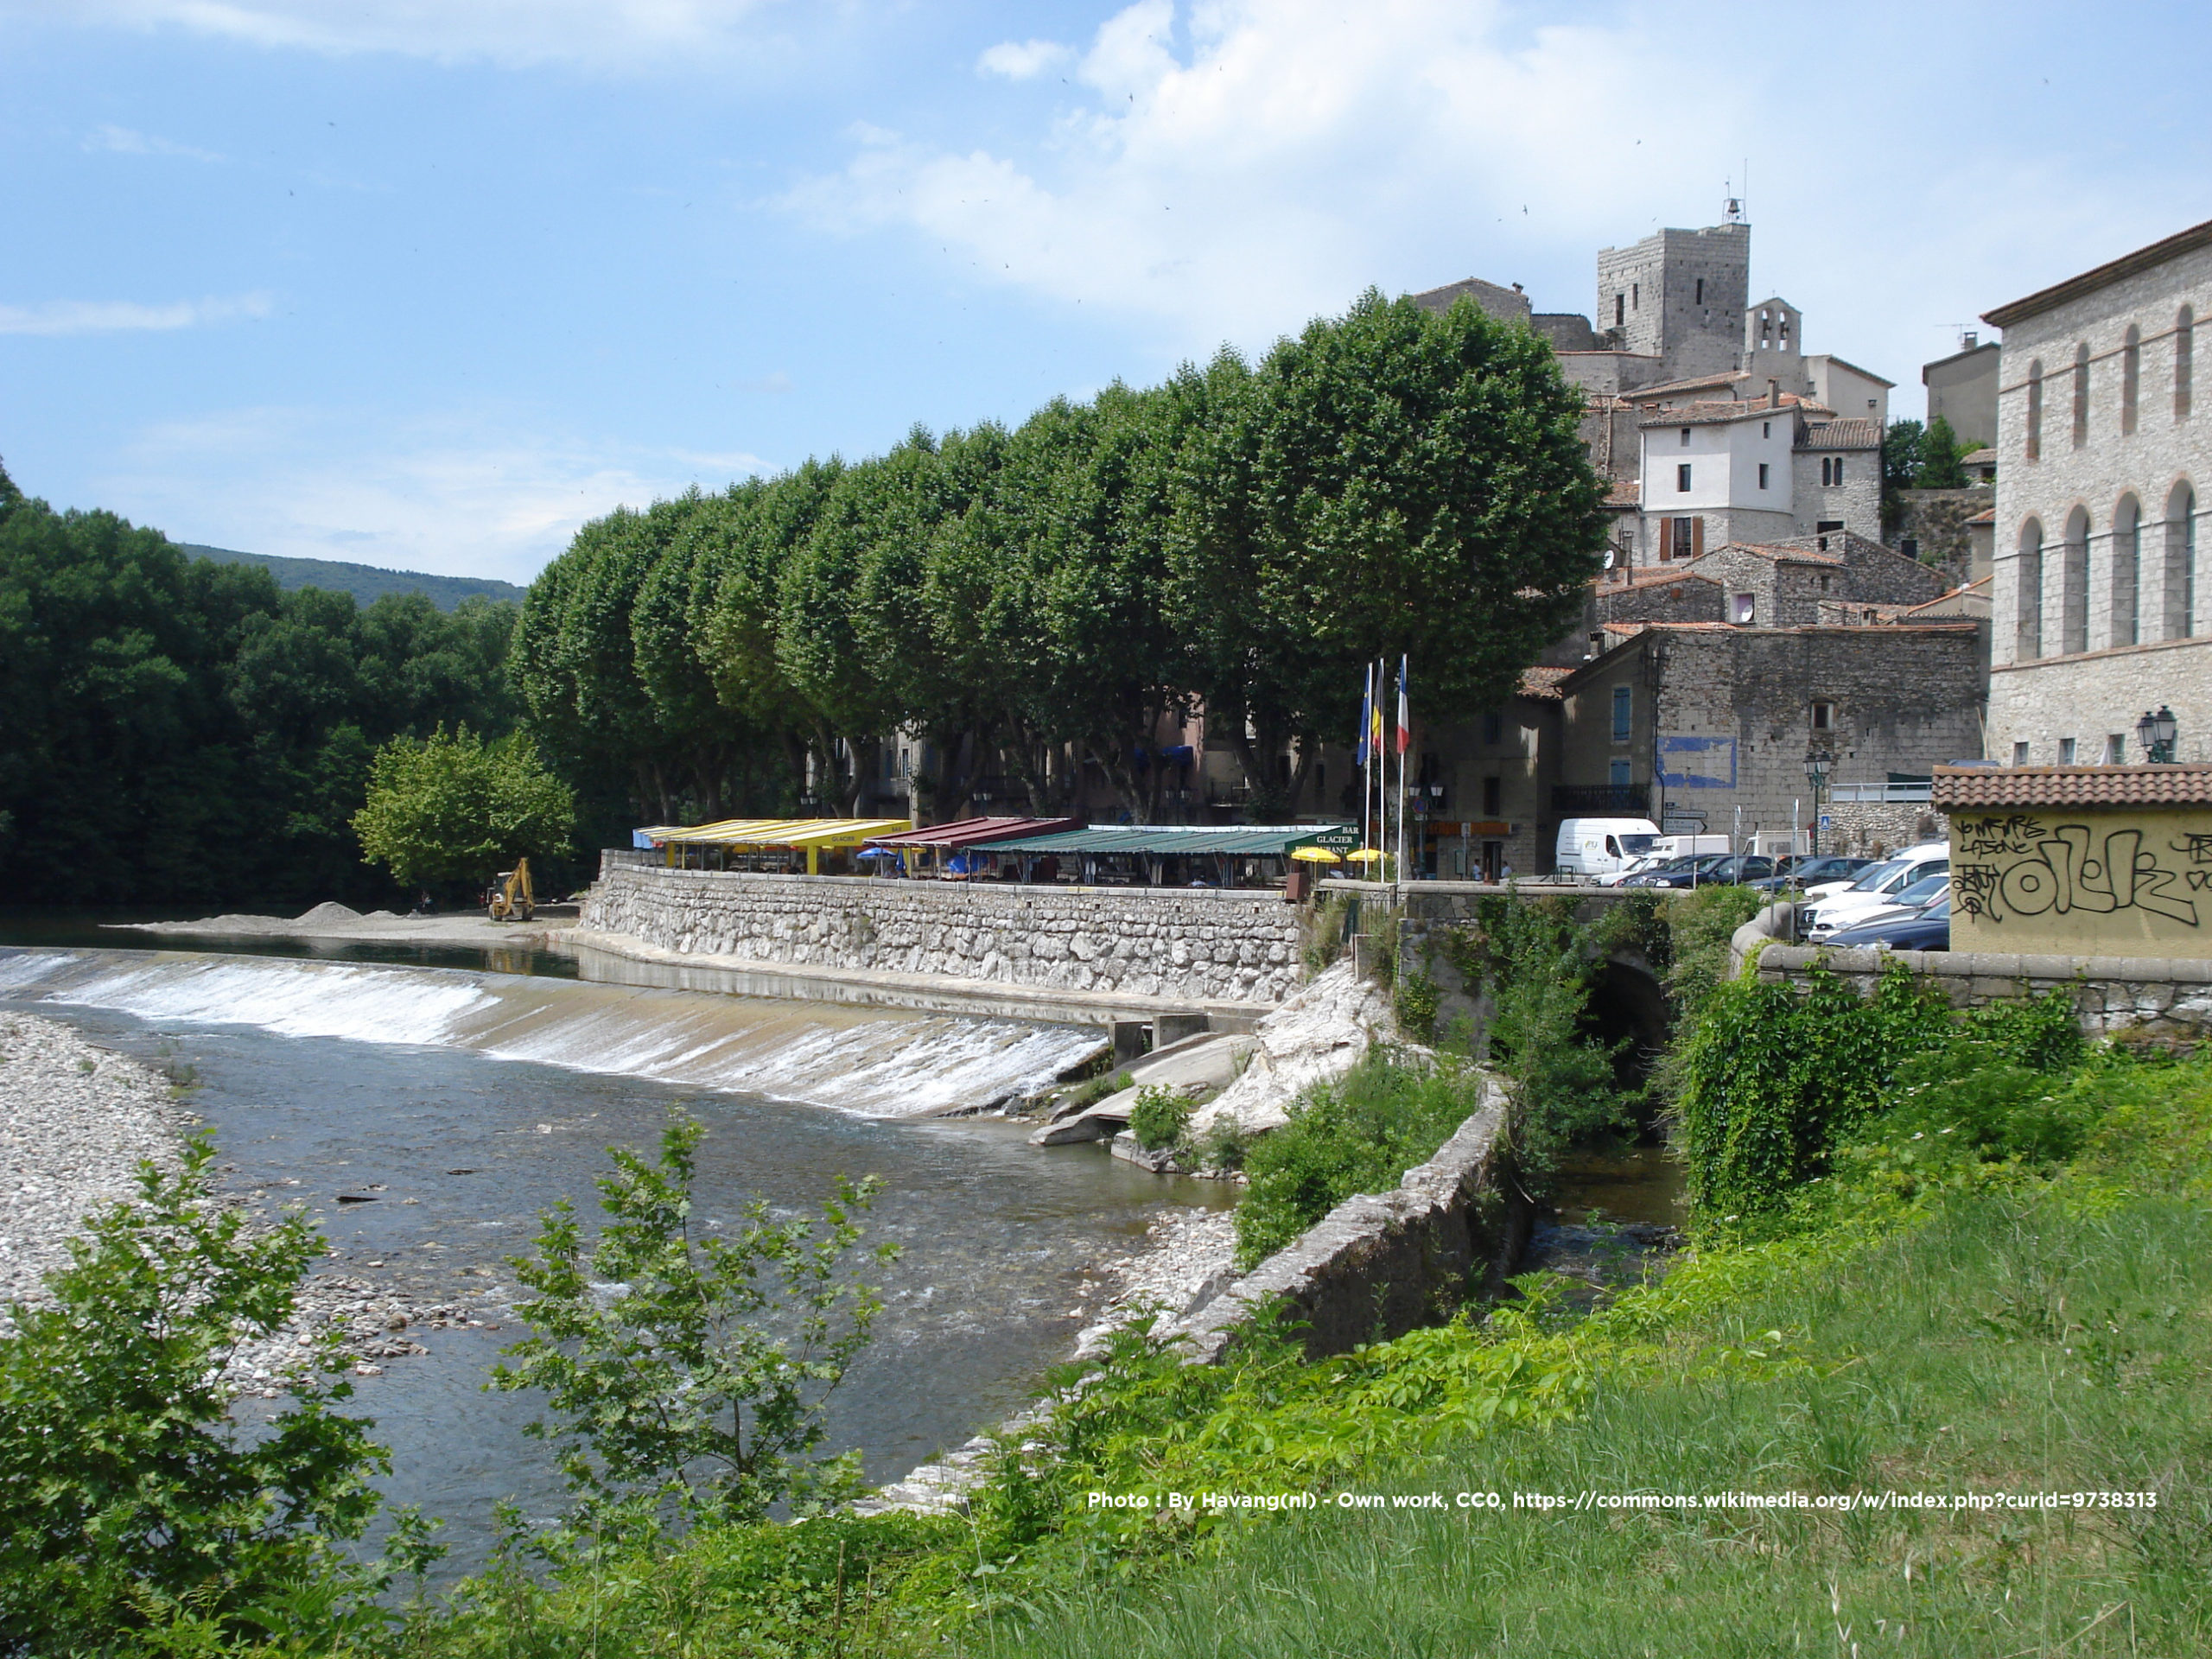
<point x="1504" y="871"/>
<point x="422" y="902"/>
<point x="1048" y="868"/>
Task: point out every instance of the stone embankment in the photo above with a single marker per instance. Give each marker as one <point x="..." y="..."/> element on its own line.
<point x="1198" y="945"/>
<point x="76" y="1121"/>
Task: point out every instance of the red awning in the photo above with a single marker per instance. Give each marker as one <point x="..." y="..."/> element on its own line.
<point x="975" y="832"/>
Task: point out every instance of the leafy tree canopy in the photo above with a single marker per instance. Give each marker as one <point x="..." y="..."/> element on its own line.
<point x="456" y="808"/>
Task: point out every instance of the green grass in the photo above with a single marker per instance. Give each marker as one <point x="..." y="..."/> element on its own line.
<point x="2008" y="1343"/>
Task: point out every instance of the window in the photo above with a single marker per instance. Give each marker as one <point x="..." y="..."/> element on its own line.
<point x="2035" y="409"/>
<point x="1620" y="309"/>
<point x="1635" y="297"/>
<point x="2127" y="573"/>
<point x="1700" y="291"/>
<point x="2019" y="755"/>
<point x="1493" y="797"/>
<point x="1823" y="716"/>
<point x="1824" y="581"/>
<point x="1682" y="478"/>
<point x="2074" y="584"/>
<point x="2028" y="595"/>
<point x="1910" y="546"/>
<point x="2115" y="750"/>
<point x="2185" y="507"/>
<point x="1689" y="537"/>
<point x="2081" y="394"/>
<point x="2185" y="360"/>
<point x="2065" y="751"/>
<point x="1493" y="727"/>
<point x="1762" y="474"/>
<point x="1686" y="437"/>
<point x="1618" y="774"/>
<point x="1623" y="700"/>
<point x="1745" y="608"/>
<point x="2131" y="376"/>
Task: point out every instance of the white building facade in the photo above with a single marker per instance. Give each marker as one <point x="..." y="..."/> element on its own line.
<point x="1717" y="473"/>
<point x="2099" y="604"/>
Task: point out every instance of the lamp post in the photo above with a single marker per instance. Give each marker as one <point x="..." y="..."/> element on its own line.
<point x="1816" y="774"/>
<point x="2156" y="733"/>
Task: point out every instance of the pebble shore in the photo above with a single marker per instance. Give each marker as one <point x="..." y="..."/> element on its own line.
<point x="76" y="1121"/>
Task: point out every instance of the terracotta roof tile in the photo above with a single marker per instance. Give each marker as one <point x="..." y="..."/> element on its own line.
<point x="1648" y="576"/>
<point x="1965" y="789"/>
<point x="1780" y="553"/>
<point x="1982" y="457"/>
<point x="1625" y="492"/>
<point x="1986" y="516"/>
<point x="1849" y="433"/>
<point x="1543" y="682"/>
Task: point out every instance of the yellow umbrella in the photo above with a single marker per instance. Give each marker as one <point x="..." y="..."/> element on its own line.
<point x="1364" y="856"/>
<point x="1314" y="856"/>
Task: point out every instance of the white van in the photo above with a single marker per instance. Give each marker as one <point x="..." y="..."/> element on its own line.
<point x="1590" y="848"/>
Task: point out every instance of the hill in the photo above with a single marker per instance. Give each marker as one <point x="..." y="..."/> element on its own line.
<point x="366" y="582"/>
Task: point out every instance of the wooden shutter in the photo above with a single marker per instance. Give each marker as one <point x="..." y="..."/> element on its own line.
<point x="1697" y="538"/>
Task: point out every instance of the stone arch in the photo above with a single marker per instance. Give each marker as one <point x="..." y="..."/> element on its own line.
<point x="2074" y="584"/>
<point x="2181" y="561"/>
<point x="1628" y="1002"/>
<point x="2124" y="595"/>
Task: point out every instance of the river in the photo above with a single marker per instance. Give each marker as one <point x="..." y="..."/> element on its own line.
<point x="452" y="1103"/>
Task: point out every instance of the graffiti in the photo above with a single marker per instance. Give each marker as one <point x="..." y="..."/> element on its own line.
<point x="2197" y="849"/>
<point x="2017" y="834"/>
<point x="2068" y="869"/>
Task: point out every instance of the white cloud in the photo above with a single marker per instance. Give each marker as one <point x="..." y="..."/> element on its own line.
<point x="591" y="32"/>
<point x="1023" y="60"/>
<point x="483" y="493"/>
<point x="122" y="141"/>
<point x="1228" y="168"/>
<point x="116" y="316"/>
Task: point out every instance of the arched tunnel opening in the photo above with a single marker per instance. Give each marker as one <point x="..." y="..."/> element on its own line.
<point x="1627" y="1012"/>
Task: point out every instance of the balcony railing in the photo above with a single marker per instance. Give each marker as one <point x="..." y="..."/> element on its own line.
<point x="1601" y="800"/>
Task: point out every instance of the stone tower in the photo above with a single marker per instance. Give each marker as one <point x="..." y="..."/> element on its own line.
<point x="1679" y="296"/>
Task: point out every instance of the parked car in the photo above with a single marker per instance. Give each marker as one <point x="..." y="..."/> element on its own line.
<point x="1709" y="870"/>
<point x="1805" y="871"/>
<point x="1912" y="860"/>
<point x="1878" y="890"/>
<point x="1926" y="929"/>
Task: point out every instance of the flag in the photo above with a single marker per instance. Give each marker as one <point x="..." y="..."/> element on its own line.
<point x="1366" y="712"/>
<point x="1375" y="721"/>
<point x="1405" y="721"/>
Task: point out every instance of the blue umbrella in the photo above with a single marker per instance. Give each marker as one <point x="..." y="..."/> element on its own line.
<point x="877" y="851"/>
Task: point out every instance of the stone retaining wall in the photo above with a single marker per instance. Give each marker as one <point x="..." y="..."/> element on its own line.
<point x="1380" y="1265"/>
<point x="1195" y="944"/>
<point x="2146" y="997"/>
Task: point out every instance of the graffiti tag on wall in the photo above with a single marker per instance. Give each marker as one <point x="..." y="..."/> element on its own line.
<point x="2019" y="865"/>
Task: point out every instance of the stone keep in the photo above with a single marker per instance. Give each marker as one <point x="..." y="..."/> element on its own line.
<point x="1679" y="296"/>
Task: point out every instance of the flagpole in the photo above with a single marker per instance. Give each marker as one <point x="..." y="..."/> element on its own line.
<point x="1402" y="740"/>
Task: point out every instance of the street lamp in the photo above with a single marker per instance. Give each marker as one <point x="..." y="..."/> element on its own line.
<point x="2156" y="733"/>
<point x="1816" y="774"/>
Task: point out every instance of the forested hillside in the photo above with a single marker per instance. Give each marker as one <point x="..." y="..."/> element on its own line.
<point x="366" y="582"/>
<point x="180" y="732"/>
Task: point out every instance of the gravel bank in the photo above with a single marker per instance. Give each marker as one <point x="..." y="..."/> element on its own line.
<point x="75" y="1122"/>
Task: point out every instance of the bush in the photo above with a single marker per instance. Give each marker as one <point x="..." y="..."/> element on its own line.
<point x="128" y="1498"/>
<point x="699" y="1382"/>
<point x="456" y="808"/>
<point x="1159" y="1117"/>
<point x="1358" y="1134"/>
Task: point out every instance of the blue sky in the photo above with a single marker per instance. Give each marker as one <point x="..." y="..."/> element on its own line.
<point x="426" y="284"/>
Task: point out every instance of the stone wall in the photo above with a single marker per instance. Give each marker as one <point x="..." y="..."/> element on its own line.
<point x="2154" y="997"/>
<point x="1196" y="944"/>
<point x="1380" y="1265"/>
<point x="1935" y="522"/>
<point x="1856" y="829"/>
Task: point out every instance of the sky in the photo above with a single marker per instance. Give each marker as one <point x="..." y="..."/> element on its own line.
<point x="429" y="283"/>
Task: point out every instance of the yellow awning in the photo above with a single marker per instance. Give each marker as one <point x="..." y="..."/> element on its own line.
<point x="785" y="832"/>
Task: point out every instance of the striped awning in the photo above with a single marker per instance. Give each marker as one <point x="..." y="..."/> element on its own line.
<point x="782" y="832"/>
<point x="1234" y="839"/>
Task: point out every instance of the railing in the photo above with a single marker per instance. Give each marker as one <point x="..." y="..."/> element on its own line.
<point x="1598" y="800"/>
<point x="1865" y="793"/>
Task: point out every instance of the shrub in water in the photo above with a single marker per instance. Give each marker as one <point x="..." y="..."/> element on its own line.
<point x="1157" y="1118"/>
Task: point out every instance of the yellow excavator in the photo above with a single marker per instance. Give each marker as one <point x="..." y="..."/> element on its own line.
<point x="510" y="898"/>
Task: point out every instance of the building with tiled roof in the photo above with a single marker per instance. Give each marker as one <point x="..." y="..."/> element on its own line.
<point x="1718" y="471"/>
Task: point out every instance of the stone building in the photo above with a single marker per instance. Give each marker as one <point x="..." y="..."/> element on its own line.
<point x="1719" y="472"/>
<point x="2099" y="613"/>
<point x="1963" y="389"/>
<point x="1705" y="726"/>
<point x="1678" y="296"/>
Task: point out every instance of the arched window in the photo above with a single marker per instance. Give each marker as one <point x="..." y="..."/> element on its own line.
<point x="2185" y="360"/>
<point x="2035" y="409"/>
<point x="2181" y="561"/>
<point x="2126" y="572"/>
<point x="2081" y="394"/>
<point x="2131" y="376"/>
<point x="2074" y="585"/>
<point x="2027" y="594"/>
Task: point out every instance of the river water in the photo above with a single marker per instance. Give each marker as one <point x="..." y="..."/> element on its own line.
<point x="452" y="1104"/>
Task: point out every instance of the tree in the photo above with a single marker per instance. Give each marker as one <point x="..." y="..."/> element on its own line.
<point x="455" y="808"/>
<point x="1939" y="453"/>
<point x="128" y="1495"/>
<point x="700" y="1380"/>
